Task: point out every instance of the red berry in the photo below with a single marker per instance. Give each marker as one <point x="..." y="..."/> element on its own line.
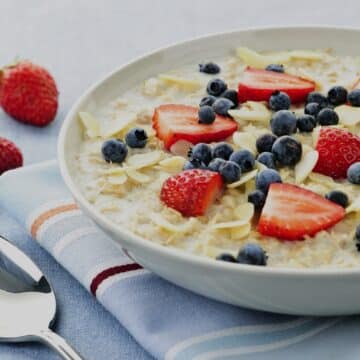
<point x="259" y="85"/>
<point x="291" y="212"/>
<point x="338" y="149"/>
<point x="181" y="122"/>
<point x="191" y="192"/>
<point x="28" y="93"/>
<point x="10" y="155"/>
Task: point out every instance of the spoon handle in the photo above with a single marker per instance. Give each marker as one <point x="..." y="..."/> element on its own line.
<point x="58" y="344"/>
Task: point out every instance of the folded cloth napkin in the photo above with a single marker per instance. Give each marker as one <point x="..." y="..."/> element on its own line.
<point x="168" y="321"/>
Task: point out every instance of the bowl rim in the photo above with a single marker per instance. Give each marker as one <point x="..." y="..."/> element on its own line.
<point x="173" y="253"/>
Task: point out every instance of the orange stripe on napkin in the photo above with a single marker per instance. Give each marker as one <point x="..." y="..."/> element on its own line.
<point x="49" y="214"/>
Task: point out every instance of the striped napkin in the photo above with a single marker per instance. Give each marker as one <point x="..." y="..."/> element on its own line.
<point x="169" y="322"/>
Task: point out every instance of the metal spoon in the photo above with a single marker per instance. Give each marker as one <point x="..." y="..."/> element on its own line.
<point x="27" y="302"/>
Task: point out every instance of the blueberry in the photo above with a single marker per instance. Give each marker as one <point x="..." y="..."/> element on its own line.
<point x="327" y="117"/>
<point x="244" y="158"/>
<point x="354" y="97"/>
<point x="215" y="164"/>
<point x="252" y="254"/>
<point x="268" y="159"/>
<point x="337" y="95"/>
<point x="136" y="138"/>
<point x="279" y="101"/>
<point x="312" y="109"/>
<point x="338" y="197"/>
<point x="306" y="123"/>
<point x="207" y="100"/>
<point x="257" y="198"/>
<point x="194" y="164"/>
<point x="287" y="150"/>
<point x="222" y="150"/>
<point x="114" y="150"/>
<point x="206" y="115"/>
<point x="357" y="233"/>
<point x="226" y="257"/>
<point x="275" y="67"/>
<point x="209" y="68"/>
<point x="265" y="142"/>
<point x="230" y="171"/>
<point x="201" y="152"/>
<point x="283" y="122"/>
<point x="221" y="106"/>
<point x="353" y="173"/>
<point x="216" y="87"/>
<point x="232" y="95"/>
<point x="316" y="97"/>
<point x="266" y="177"/>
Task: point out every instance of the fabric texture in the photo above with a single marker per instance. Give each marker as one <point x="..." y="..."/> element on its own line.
<point x="167" y="321"/>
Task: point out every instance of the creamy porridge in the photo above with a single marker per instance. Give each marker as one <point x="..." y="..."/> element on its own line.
<point x="130" y="190"/>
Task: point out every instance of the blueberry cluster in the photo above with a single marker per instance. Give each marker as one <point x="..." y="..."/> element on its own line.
<point x="115" y="150"/>
<point x="219" y="100"/>
<point x="250" y="254"/>
<point x="222" y="159"/>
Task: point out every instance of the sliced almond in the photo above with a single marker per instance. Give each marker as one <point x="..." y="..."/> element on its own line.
<point x="175" y="228"/>
<point x="253" y="58"/>
<point x="139" y="161"/>
<point x="184" y="84"/>
<point x="252" y="111"/>
<point x="354" y="206"/>
<point x="244" y="179"/>
<point x="114" y="127"/>
<point x="229" y="224"/>
<point x="117" y="180"/>
<point x="173" y="163"/>
<point x="137" y="176"/>
<point x="244" y="211"/>
<point x="348" y="115"/>
<point x="305" y="166"/>
<point x="245" y="140"/>
<point x="240" y="232"/>
<point x="91" y="124"/>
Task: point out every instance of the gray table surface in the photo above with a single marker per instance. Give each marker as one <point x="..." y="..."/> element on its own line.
<point x="80" y="41"/>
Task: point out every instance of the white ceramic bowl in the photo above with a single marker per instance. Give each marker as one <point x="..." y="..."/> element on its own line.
<point x="290" y="291"/>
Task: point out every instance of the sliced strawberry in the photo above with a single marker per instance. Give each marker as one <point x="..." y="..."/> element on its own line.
<point x="181" y="122"/>
<point x="191" y="192"/>
<point x="291" y="212"/>
<point x="258" y="85"/>
<point x="338" y="149"/>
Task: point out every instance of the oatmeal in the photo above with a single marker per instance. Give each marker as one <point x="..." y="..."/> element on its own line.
<point x="254" y="169"/>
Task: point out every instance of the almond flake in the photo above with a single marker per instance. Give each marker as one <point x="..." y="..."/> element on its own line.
<point x="348" y="115"/>
<point x="354" y="206"/>
<point x="139" y="161"/>
<point x="245" y="140"/>
<point x="117" y="180"/>
<point x="165" y="224"/>
<point x="116" y="126"/>
<point x="173" y="163"/>
<point x="91" y="124"/>
<point x="252" y="111"/>
<point x="137" y="176"/>
<point x="305" y="166"/>
<point x="244" y="179"/>
<point x="182" y="83"/>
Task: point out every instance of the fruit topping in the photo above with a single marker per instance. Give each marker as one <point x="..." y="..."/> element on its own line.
<point x="209" y="68"/>
<point x="312" y="108"/>
<point x="337" y="95"/>
<point x="283" y="122"/>
<point x="192" y="192"/>
<point x="327" y="117"/>
<point x="257" y="198"/>
<point x="226" y="257"/>
<point x="232" y="95"/>
<point x="215" y="164"/>
<point x="338" y="149"/>
<point x="275" y="67"/>
<point x="181" y="122"/>
<point x="318" y="98"/>
<point x="136" y="138"/>
<point x="216" y="87"/>
<point x="279" y="101"/>
<point x="221" y="106"/>
<point x="201" y="152"/>
<point x="10" y="155"/>
<point x="206" y="115"/>
<point x="353" y="173"/>
<point x="258" y="85"/>
<point x="268" y="159"/>
<point x="114" y="151"/>
<point x="265" y="142"/>
<point x="287" y="151"/>
<point x="207" y="100"/>
<point x="354" y="97"/>
<point x="244" y="158"/>
<point x="265" y="178"/>
<point x="291" y="213"/>
<point x="306" y="123"/>
<point x="338" y="197"/>
<point x="230" y="171"/>
<point x="252" y="254"/>
<point x="222" y="150"/>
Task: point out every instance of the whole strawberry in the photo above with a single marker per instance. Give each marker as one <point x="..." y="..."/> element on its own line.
<point x="28" y="93"/>
<point x="10" y="155"/>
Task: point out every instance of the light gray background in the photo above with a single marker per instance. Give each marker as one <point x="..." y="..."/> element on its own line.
<point x="79" y="41"/>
